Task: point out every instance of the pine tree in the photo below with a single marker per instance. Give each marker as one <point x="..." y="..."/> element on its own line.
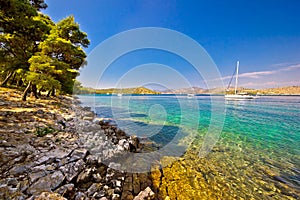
<point x="64" y="45"/>
<point x="22" y="28"/>
<point x="35" y="51"/>
<point x="56" y="65"/>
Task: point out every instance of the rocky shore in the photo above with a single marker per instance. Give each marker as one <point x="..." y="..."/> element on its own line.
<point x="47" y="152"/>
<point x="54" y="149"/>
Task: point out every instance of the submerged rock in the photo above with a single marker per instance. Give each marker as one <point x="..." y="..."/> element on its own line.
<point x="147" y="194"/>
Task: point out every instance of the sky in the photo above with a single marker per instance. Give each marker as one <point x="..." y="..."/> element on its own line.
<point x="264" y="35"/>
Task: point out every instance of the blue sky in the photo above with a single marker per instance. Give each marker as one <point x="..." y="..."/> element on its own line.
<point x="264" y="35"/>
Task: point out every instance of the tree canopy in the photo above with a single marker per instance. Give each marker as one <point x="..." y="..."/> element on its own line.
<point x="36" y="53"/>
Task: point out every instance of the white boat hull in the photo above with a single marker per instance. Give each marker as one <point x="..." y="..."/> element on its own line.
<point x="239" y="97"/>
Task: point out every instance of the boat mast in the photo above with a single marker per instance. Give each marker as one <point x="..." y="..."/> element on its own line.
<point x="236" y="76"/>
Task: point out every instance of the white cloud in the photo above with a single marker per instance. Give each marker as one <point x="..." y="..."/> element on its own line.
<point x="258" y="74"/>
<point x="287" y="75"/>
<point x="291" y="67"/>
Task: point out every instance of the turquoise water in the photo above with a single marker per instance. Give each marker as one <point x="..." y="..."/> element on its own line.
<point x="264" y="132"/>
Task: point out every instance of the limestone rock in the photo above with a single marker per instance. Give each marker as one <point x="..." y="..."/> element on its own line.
<point x="115" y="197"/>
<point x="144" y="180"/>
<point x="93" y="189"/>
<point x="127" y="195"/>
<point x="88" y="118"/>
<point x="118" y="183"/>
<point x="145" y="195"/>
<point x="71" y="170"/>
<point x="85" y="175"/>
<point x="51" y="156"/>
<point x="115" y="166"/>
<point x="136" y="184"/>
<point x="100" y="194"/>
<point x="117" y="190"/>
<point x="34" y="176"/>
<point x="12" y="182"/>
<point x="7" y="192"/>
<point x="47" y="183"/>
<point x="123" y="144"/>
<point x="78" y="154"/>
<point x="65" y="188"/>
<point x="80" y="196"/>
<point x="19" y="169"/>
<point x="50" y="196"/>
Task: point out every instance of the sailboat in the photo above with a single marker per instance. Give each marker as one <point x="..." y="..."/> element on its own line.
<point x="120" y="94"/>
<point x="190" y="95"/>
<point x="237" y="96"/>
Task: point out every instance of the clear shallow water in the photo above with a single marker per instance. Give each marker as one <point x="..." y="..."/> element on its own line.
<point x="259" y="146"/>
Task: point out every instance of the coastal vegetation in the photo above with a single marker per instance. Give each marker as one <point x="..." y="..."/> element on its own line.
<point x="288" y="90"/>
<point x="136" y="90"/>
<point x="37" y="54"/>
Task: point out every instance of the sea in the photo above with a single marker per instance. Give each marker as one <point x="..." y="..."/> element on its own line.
<point x="246" y="149"/>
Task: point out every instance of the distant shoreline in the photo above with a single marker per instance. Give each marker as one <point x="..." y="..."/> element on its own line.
<point x="260" y="95"/>
<point x="279" y="91"/>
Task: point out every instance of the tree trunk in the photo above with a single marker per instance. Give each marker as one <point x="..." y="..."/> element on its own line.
<point x="13" y="78"/>
<point x="34" y="91"/>
<point x="48" y="94"/>
<point x="7" y="79"/>
<point x="19" y="83"/>
<point x="24" y="95"/>
<point x="40" y="91"/>
<point x="53" y="92"/>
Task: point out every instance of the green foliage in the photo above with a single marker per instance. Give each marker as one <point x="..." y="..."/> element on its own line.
<point x="42" y="71"/>
<point x="38" y="4"/>
<point x="42" y="131"/>
<point x="22" y="29"/>
<point x="77" y="87"/>
<point x="38" y="51"/>
<point x="68" y="29"/>
<point x="63" y="47"/>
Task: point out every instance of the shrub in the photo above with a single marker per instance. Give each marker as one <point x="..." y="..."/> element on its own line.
<point x="42" y="131"/>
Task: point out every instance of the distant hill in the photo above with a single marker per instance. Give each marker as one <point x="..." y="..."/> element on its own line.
<point x="138" y="90"/>
<point x="289" y="90"/>
<point x="195" y="90"/>
<point x="192" y="90"/>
